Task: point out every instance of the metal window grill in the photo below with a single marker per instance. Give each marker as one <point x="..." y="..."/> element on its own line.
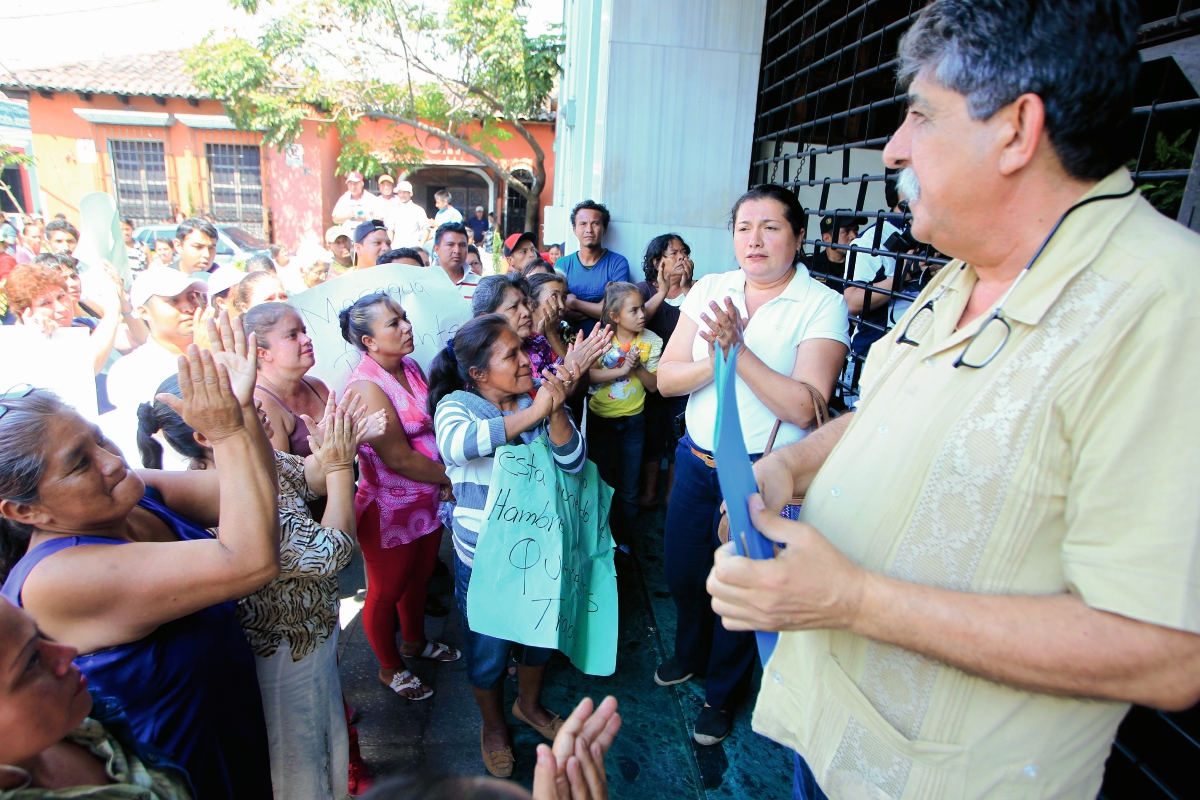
<point x="235" y="185"/>
<point x="828" y="103"/>
<point x="140" y="178"/>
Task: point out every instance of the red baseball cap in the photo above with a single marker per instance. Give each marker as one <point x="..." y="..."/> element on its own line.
<point x="511" y="242"/>
<point x="354" y="176"/>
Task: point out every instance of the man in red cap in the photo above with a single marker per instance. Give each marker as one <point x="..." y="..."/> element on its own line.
<point x="356" y="205"/>
<point x="519" y="250"/>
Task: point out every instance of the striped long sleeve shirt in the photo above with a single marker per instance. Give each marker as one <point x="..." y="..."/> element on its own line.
<point x="469" y="429"/>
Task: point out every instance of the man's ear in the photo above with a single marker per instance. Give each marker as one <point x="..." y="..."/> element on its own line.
<point x="25" y="513"/>
<point x="200" y="439"/>
<point x="1022" y="124"/>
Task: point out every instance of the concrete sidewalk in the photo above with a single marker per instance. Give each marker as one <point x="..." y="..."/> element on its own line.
<point x="654" y="756"/>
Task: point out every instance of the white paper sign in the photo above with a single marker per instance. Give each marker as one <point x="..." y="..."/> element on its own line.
<point x="61" y="363"/>
<point x="435" y="307"/>
<point x="85" y="151"/>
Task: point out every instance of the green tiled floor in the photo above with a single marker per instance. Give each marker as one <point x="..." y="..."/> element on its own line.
<point x="654" y="756"/>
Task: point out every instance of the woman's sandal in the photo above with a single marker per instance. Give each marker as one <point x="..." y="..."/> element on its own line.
<point x="434" y="650"/>
<point x="549" y="731"/>
<point x="406" y="680"/>
<point x="497" y="762"/>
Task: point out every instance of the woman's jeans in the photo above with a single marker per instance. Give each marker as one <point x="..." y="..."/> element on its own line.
<point x="487" y="656"/>
<point x="702" y="645"/>
<point x="615" y="446"/>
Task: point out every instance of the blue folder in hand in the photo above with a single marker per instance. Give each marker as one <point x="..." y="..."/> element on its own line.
<point x="736" y="477"/>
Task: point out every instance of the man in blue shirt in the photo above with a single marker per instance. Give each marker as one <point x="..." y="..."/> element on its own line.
<point x="479" y="226"/>
<point x="590" y="269"/>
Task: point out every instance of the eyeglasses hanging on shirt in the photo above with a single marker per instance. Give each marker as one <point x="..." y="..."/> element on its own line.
<point x="987" y="342"/>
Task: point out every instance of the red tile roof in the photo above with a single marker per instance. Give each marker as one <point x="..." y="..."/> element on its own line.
<point x="151" y="74"/>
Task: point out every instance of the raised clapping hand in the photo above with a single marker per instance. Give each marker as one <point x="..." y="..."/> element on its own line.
<point x="808" y="585"/>
<point x="724" y="327"/>
<point x="39" y="320"/>
<point x="366" y="426"/>
<point x="573" y="769"/>
<point x="208" y="401"/>
<point x="552" y="394"/>
<point x="336" y="448"/>
<point x="236" y="352"/>
<point x="583" y="352"/>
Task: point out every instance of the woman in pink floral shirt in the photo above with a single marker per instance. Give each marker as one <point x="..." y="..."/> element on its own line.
<point x="402" y="481"/>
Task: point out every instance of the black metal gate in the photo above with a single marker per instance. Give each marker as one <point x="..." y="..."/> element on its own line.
<point x="828" y="103"/>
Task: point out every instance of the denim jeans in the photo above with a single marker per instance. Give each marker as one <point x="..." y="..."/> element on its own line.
<point x="487" y="656"/>
<point x="661" y="440"/>
<point x="804" y="783"/>
<point x="615" y="446"/>
<point x="702" y="644"/>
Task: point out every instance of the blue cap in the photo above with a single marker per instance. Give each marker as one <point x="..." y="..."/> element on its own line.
<point x="365" y="229"/>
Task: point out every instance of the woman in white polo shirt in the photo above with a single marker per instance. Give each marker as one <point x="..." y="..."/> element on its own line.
<point x="791" y="330"/>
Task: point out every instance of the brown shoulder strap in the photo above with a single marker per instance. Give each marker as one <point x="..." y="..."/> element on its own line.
<point x="820" y="413"/>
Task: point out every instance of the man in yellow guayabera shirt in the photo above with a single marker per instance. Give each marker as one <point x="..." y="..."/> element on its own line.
<point x="1000" y="551"/>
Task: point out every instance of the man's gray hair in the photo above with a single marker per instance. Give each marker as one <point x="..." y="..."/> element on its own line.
<point x="1079" y="56"/>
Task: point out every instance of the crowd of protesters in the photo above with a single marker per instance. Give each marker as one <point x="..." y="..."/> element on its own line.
<point x="970" y="660"/>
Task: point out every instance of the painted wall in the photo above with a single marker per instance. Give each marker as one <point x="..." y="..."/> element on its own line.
<point x="299" y="204"/>
<point x="657" y="121"/>
<point x="300" y="197"/>
<point x="57" y="129"/>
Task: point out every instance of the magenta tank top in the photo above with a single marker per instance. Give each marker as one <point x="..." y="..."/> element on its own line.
<point x="407" y="508"/>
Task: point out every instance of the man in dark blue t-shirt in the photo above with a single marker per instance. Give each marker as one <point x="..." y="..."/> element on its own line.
<point x="478" y="226"/>
<point x="590" y="269"/>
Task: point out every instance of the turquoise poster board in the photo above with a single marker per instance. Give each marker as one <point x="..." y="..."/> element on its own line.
<point x="544" y="572"/>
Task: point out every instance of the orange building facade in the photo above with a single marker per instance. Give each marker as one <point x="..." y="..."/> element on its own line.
<point x="136" y="128"/>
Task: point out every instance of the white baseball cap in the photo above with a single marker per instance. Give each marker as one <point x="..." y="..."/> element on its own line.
<point x="224" y="277"/>
<point x="160" y="281"/>
<point x="333" y="233"/>
<point x="404" y="186"/>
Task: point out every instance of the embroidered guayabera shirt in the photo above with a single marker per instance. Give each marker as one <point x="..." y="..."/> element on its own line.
<point x="1071" y="463"/>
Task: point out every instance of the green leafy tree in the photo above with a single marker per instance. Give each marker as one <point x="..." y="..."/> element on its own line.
<point x="11" y="158"/>
<point x="1167" y="194"/>
<point x="456" y="74"/>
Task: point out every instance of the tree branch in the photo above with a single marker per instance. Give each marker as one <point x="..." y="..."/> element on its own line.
<point x="450" y="138"/>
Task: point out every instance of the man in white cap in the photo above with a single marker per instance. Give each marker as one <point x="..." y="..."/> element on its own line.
<point x="168" y="301"/>
<point x="407" y="222"/>
<point x="387" y="199"/>
<point x="222" y="282"/>
<point x="478" y="226"/>
<point x="356" y="205"/>
<point x="337" y="240"/>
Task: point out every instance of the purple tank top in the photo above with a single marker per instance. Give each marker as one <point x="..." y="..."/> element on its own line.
<point x="189" y="688"/>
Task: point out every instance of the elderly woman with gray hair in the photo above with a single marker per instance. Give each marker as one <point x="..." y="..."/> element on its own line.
<point x="510" y="296"/>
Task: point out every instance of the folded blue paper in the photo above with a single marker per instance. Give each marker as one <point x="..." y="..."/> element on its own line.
<point x="736" y="476"/>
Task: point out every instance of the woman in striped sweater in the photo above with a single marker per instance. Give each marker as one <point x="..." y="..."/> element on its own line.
<point x="479" y="390"/>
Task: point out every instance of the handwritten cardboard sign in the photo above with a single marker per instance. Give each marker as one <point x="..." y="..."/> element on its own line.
<point x="61" y="363"/>
<point x="544" y="572"/>
<point x="435" y="307"/>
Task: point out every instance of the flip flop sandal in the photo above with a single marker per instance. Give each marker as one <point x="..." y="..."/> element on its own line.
<point x="549" y="731"/>
<point x="406" y="680"/>
<point x="434" y="650"/>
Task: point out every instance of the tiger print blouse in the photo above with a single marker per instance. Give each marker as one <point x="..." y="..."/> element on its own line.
<point x="301" y="605"/>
